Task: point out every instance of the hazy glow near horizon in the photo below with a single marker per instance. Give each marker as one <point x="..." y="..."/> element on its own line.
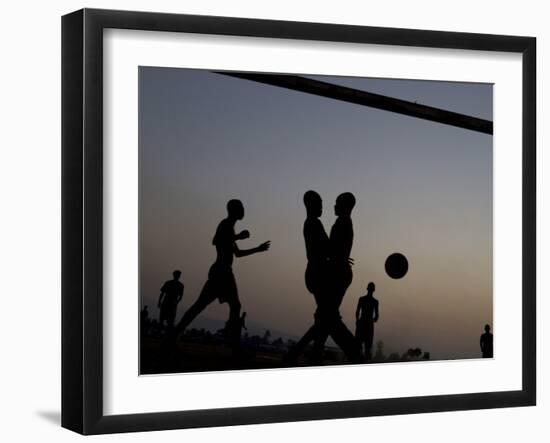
<point x="423" y="189"/>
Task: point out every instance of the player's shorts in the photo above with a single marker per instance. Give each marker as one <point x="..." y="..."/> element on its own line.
<point x="221" y="284"/>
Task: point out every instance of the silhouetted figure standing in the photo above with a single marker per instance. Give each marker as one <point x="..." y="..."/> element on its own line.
<point x="171" y="294"/>
<point x="221" y="282"/>
<point x="320" y="282"/>
<point x="486" y="343"/>
<point x="366" y="316"/>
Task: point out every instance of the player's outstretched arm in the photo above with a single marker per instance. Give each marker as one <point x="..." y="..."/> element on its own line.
<point x="244" y="252"/>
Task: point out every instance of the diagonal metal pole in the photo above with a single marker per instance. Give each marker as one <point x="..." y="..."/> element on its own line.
<point x="377" y="101"/>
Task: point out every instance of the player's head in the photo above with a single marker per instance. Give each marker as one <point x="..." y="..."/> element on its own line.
<point x="176" y="274"/>
<point x="344" y="204"/>
<point x="487" y="328"/>
<point x="371" y="287"/>
<point x="313" y="204"/>
<point x="235" y="209"/>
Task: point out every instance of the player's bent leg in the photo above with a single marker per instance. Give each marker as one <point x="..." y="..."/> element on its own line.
<point x="291" y="357"/>
<point x="324" y="318"/>
<point x="206" y="297"/>
<point x="346" y="341"/>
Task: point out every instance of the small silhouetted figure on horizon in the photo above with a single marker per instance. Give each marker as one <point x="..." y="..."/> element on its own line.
<point x="221" y="282"/>
<point x="486" y="343"/>
<point x="366" y="315"/>
<point x="171" y="294"/>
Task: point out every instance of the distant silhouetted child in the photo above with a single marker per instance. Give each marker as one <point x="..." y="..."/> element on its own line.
<point x="171" y="294"/>
<point x="366" y="316"/>
<point x="221" y="282"/>
<point x="486" y="343"/>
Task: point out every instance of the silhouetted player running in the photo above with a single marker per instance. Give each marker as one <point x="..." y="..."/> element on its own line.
<point x="171" y="294"/>
<point x="221" y="281"/>
<point x="366" y="316"/>
<point x="320" y="281"/>
<point x="486" y="343"/>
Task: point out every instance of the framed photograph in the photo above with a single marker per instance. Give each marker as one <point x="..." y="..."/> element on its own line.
<point x="269" y="221"/>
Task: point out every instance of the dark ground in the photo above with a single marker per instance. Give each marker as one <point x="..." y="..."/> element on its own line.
<point x="192" y="356"/>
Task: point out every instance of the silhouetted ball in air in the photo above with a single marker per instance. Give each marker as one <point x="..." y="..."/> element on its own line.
<point x="397" y="265"/>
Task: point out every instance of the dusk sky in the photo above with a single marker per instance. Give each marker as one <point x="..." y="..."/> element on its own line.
<point x="423" y="189"/>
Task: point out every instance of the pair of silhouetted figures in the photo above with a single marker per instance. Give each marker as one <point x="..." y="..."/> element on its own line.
<point x="328" y="276"/>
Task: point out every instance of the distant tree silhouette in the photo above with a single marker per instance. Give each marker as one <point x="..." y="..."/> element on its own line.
<point x="379" y="355"/>
<point x="413" y="353"/>
<point x="394" y="356"/>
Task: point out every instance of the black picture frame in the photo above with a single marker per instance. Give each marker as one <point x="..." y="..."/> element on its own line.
<point x="82" y="218"/>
